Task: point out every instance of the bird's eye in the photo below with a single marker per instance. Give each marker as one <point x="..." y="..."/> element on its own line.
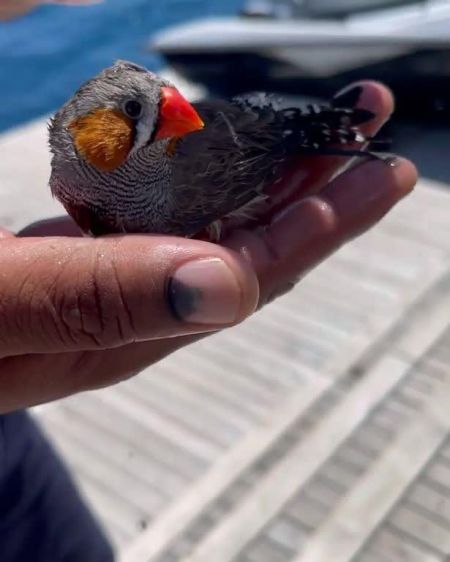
<point x="133" y="109"/>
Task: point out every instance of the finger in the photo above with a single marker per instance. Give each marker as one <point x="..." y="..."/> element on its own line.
<point x="376" y="98"/>
<point x="5" y="234"/>
<point x="305" y="233"/>
<point x="62" y="294"/>
<point x="345" y="209"/>
<point x="308" y="175"/>
<point x="281" y="254"/>
<point x="28" y="380"/>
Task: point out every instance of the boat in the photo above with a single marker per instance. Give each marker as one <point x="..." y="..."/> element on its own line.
<point x="316" y="46"/>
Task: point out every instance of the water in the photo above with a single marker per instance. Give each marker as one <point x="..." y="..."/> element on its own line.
<point x="45" y="56"/>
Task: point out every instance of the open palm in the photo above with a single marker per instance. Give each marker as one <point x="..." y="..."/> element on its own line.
<point x="80" y="313"/>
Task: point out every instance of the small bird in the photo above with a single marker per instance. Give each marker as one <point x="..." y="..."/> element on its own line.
<point x="132" y="155"/>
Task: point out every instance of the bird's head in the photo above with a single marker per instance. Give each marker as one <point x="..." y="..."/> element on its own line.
<point x="120" y="111"/>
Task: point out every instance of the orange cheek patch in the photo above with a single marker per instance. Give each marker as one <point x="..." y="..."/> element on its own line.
<point x="104" y="138"/>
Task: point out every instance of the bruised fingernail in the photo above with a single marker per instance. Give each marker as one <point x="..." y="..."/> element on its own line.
<point x="205" y="291"/>
<point x="348" y="97"/>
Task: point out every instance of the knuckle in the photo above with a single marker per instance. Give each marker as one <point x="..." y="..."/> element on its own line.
<point x="321" y="212"/>
<point x="23" y="306"/>
<point x="80" y="312"/>
<point x="91" y="307"/>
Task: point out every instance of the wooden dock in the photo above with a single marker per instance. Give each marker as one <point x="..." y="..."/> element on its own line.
<point x="317" y="431"/>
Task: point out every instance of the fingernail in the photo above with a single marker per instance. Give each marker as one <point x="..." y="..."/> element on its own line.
<point x="205" y="292"/>
<point x="392" y="160"/>
<point x="348" y="97"/>
<point x="389" y="160"/>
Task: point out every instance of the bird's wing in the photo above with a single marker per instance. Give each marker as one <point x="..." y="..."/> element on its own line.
<point x="241" y="150"/>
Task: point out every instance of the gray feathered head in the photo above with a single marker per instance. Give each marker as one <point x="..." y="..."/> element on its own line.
<point x="121" y="110"/>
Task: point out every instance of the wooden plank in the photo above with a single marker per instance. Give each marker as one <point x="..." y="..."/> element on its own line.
<point x="363" y="276"/>
<point x="288" y="316"/>
<point x="392" y="258"/>
<point x="318" y="286"/>
<point x="371" y="557"/>
<point x="193" y="441"/>
<point x="160" y="534"/>
<point x="266" y="365"/>
<point x="133" y="462"/>
<point x="436" y="368"/>
<point x="445" y="452"/>
<point x="427" y="498"/>
<point x="219" y="363"/>
<point x="344" y="476"/>
<point x="441" y="474"/>
<point x="266" y="551"/>
<point x="306" y="510"/>
<point x="132" y="491"/>
<point x="400" y="409"/>
<point x="260" y="383"/>
<point x="388" y="419"/>
<point x="394" y="548"/>
<point x="372" y="439"/>
<point x="324" y="490"/>
<point x="398" y="322"/>
<point x="133" y="432"/>
<point x="344" y="533"/>
<point x="226" y="540"/>
<point x="434" y="321"/>
<point x="424" y="529"/>
<point x="105" y="502"/>
<point x="355" y="457"/>
<point x="168" y="401"/>
<point x="173" y="521"/>
<point x="329" y="306"/>
<point x="287" y="532"/>
<point x="433" y="229"/>
<point x="411" y="394"/>
<point x="24" y="173"/>
<point x="234" y="414"/>
<point x="213" y="386"/>
<point x="280" y="334"/>
<point x="119" y="526"/>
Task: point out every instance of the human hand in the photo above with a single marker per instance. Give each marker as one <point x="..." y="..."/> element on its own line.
<point x="12" y="8"/>
<point x="80" y="313"/>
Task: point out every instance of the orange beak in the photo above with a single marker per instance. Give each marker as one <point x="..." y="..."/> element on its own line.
<point x="177" y="117"/>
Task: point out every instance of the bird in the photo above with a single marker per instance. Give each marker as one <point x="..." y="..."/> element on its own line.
<point x="131" y="155"/>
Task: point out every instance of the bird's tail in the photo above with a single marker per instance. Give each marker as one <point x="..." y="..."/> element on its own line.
<point x="328" y="130"/>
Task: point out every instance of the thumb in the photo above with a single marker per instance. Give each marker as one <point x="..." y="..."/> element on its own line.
<point x="67" y="294"/>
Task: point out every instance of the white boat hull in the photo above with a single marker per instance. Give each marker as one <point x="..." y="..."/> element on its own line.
<point x="319" y="47"/>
